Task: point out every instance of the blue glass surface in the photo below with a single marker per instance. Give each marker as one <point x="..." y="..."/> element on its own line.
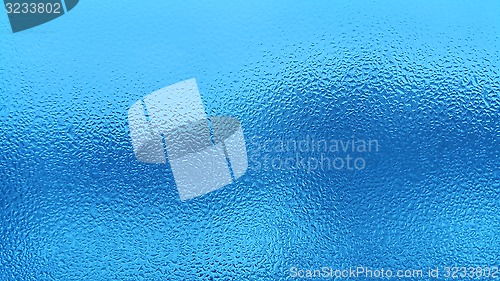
<point x="420" y="78"/>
